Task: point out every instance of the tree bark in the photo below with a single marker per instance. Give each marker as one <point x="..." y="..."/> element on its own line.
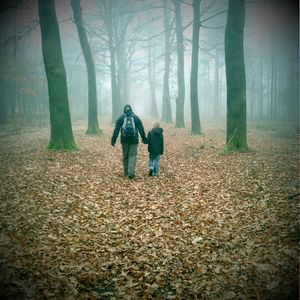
<point x="260" y="103"/>
<point x="217" y="108"/>
<point x="93" y="126"/>
<point x="236" y="139"/>
<point x="3" y="104"/>
<point x="166" y="104"/>
<point x="60" y="119"/>
<point x="195" y="117"/>
<point x="115" y="91"/>
<point x="122" y="73"/>
<point x="179" y="123"/>
<point x="273" y="92"/>
<point x="152" y="83"/>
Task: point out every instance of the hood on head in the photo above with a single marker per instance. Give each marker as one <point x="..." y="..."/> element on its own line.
<point x="157" y="131"/>
<point x="127" y="109"/>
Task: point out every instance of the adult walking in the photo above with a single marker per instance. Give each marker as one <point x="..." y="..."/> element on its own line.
<point x="130" y="126"/>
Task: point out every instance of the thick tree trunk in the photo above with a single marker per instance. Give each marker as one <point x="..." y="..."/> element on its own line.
<point x="60" y="119"/>
<point x="179" y="123"/>
<point x="236" y="139"/>
<point x="166" y="103"/>
<point x="195" y="117"/>
<point x="93" y="126"/>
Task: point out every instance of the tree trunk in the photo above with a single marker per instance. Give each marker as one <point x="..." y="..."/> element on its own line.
<point x="152" y="85"/>
<point x="195" y="117"/>
<point x="179" y="123"/>
<point x="274" y="104"/>
<point x="116" y="97"/>
<point x="294" y="87"/>
<point x="93" y="126"/>
<point x="260" y="103"/>
<point x="3" y="104"/>
<point x="115" y="91"/>
<point x="252" y="100"/>
<point x="60" y="119"/>
<point x="236" y="139"/>
<point x="122" y="73"/>
<point x="166" y="104"/>
<point x="217" y="108"/>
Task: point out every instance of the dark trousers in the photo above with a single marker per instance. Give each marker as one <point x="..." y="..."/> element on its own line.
<point x="129" y="158"/>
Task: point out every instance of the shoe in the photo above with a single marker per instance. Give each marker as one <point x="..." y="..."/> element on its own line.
<point x="150" y="172"/>
<point x="131" y="176"/>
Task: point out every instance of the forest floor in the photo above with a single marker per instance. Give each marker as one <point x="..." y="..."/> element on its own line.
<point x="211" y="226"/>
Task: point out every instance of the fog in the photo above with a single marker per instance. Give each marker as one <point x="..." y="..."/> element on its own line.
<point x="270" y="49"/>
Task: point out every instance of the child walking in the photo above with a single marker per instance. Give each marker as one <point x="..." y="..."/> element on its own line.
<point x="155" y="148"/>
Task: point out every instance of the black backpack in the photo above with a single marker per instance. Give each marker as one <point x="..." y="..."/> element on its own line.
<point x="128" y="127"/>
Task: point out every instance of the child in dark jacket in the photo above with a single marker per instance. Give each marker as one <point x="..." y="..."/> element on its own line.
<point x="155" y="148"/>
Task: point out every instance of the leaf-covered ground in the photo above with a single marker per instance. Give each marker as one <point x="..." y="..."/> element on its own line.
<point x="210" y="226"/>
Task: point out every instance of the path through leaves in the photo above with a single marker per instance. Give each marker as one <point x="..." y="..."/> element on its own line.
<point x="209" y="227"/>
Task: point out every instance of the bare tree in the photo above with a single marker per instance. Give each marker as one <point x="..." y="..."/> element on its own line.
<point x="93" y="126"/>
<point x="106" y="7"/>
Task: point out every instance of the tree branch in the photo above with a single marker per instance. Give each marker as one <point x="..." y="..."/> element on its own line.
<point x="213" y="16"/>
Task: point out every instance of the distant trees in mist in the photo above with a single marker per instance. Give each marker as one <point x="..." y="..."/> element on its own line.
<point x="145" y="53"/>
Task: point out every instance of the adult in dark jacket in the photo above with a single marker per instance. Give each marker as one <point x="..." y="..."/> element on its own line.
<point x="155" y="148"/>
<point x="129" y="144"/>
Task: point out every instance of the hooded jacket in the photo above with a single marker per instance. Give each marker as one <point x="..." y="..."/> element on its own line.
<point x="138" y="125"/>
<point x="155" y="141"/>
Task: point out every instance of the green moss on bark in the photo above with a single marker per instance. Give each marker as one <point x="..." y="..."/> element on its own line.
<point x="62" y="146"/>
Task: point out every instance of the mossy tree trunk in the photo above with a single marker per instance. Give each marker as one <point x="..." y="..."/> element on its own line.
<point x="60" y="119"/>
<point x="195" y="117"/>
<point x="236" y="139"/>
<point x="93" y="126"/>
<point x="179" y="123"/>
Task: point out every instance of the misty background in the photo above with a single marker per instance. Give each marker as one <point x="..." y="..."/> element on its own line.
<point x="271" y="47"/>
